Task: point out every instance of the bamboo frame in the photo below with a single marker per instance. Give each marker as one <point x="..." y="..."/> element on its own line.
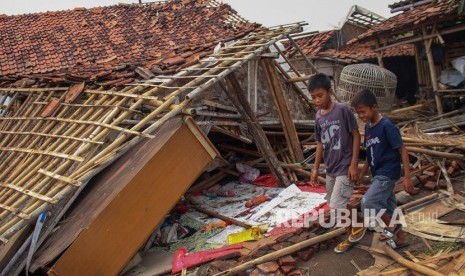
<point x="45" y="160"/>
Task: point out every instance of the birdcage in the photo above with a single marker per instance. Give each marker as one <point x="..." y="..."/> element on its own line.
<point x="380" y="81"/>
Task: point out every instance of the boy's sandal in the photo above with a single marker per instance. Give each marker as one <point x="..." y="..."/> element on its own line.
<point x="395" y="245"/>
<point x="357" y="233"/>
<point x="343" y="247"/>
<point x="389" y="234"/>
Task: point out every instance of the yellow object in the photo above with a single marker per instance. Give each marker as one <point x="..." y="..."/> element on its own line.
<point x="246" y="235"/>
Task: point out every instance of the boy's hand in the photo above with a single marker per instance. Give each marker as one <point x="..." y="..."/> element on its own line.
<point x="314" y="178"/>
<point x="353" y="173"/>
<point x="408" y="186"/>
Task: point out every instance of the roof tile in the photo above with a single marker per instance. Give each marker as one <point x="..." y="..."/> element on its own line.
<point x="133" y="33"/>
<point x="437" y="11"/>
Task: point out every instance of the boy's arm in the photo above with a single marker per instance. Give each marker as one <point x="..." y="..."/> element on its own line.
<point x="353" y="168"/>
<point x="316" y="165"/>
<point x="408" y="187"/>
<point x="363" y="171"/>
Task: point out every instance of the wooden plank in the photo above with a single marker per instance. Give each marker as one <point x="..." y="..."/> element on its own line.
<point x="9" y="249"/>
<point x="130" y="218"/>
<point x="282" y="106"/>
<point x="309" y="62"/>
<point x="299" y="79"/>
<point x="444" y="123"/>
<point x="252" y="74"/>
<point x="218" y="105"/>
<point x="432" y="70"/>
<point x="100" y="191"/>
<point x="231" y="134"/>
<point x="236" y="95"/>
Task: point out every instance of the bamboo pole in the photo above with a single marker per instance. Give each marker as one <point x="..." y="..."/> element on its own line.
<point x="407" y="109"/>
<point x="236" y="95"/>
<point x="436" y="153"/>
<point x="102" y="158"/>
<point x="220" y="216"/>
<point x="33" y="90"/>
<point x="9" y="227"/>
<point x="282" y="252"/>
<point x="24" y="178"/>
<point x="282" y="106"/>
<point x="46" y="144"/>
<point x="432" y="70"/>
<point x="232" y="135"/>
<point x="414" y="266"/>
<point x="309" y="62"/>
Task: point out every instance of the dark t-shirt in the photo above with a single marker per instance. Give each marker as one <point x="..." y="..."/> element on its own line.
<point x="382" y="143"/>
<point x="334" y="131"/>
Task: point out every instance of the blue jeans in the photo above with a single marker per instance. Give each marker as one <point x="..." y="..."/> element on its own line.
<point x="380" y="195"/>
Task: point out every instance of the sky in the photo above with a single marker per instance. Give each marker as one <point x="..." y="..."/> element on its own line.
<point x="320" y="14"/>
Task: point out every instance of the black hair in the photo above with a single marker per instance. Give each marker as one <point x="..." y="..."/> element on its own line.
<point x="365" y="98"/>
<point x="319" y="80"/>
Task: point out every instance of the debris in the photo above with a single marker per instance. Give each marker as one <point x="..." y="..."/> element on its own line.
<point x="182" y="259"/>
<point x="253" y="233"/>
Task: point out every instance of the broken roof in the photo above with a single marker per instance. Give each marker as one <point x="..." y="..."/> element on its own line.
<point x="404" y="3"/>
<point x="364" y="51"/>
<point x="363" y="17"/>
<point x="437" y="11"/>
<point x="82" y="41"/>
<point x="313" y="44"/>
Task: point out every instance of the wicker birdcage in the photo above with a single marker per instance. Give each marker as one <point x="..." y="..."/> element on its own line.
<point x="380" y="81"/>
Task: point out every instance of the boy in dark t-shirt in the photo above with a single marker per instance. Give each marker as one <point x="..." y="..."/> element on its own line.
<point x="385" y="152"/>
<point x="338" y="139"/>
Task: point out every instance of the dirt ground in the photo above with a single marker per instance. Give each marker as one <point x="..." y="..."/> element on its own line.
<point x="327" y="263"/>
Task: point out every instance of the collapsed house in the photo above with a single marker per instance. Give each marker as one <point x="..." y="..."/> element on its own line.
<point x="330" y="51"/>
<point x="84" y="87"/>
<point x="148" y="109"/>
<point x="436" y="29"/>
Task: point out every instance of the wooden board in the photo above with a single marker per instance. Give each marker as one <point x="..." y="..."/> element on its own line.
<point x="125" y="224"/>
<point x="100" y="191"/>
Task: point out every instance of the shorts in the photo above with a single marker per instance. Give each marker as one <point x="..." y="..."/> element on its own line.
<point x="339" y="189"/>
<point x="380" y="195"/>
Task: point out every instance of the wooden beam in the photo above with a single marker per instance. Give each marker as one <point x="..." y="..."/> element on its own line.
<point x="432" y="71"/>
<point x="282" y="106"/>
<point x="419" y="38"/>
<point x="444" y="123"/>
<point x="407" y="109"/>
<point x="299" y="79"/>
<point x="310" y="63"/>
<point x="305" y="96"/>
<point x="379" y="54"/>
<point x="436" y="153"/>
<point x="220" y="216"/>
<point x="237" y="97"/>
<point x="404" y="262"/>
<point x="283" y="252"/>
<point x="252" y="75"/>
<point x="121" y="227"/>
<point x="226" y="132"/>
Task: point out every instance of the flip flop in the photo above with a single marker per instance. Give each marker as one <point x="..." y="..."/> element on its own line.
<point x="394" y="245"/>
<point x="388" y="234"/>
<point x="357" y="233"/>
<point x="343" y="247"/>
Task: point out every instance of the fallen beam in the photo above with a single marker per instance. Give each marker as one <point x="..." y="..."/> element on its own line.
<point x="283" y="252"/>
<point x="413" y="266"/>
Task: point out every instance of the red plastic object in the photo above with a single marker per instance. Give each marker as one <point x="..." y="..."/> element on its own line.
<point x="266" y="180"/>
<point x="182" y="259"/>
